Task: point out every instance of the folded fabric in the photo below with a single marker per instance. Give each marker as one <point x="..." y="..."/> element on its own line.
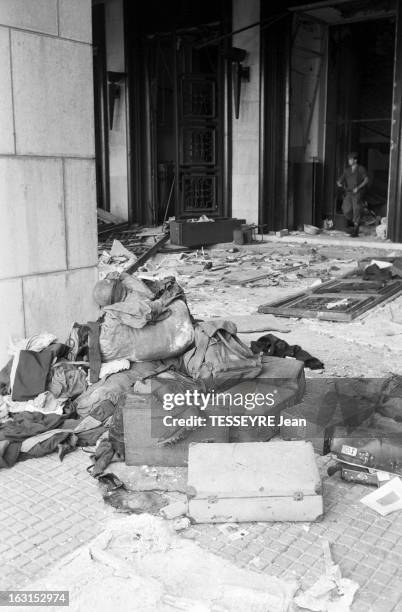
<point x="271" y="345"/>
<point x="136" y="311"/>
<point x="4" y="407"/>
<point x="118" y="365"/>
<point x="36" y="342"/>
<point x="132" y="283"/>
<point x="33" y="370"/>
<point x="84" y="430"/>
<point x="111" y="388"/>
<point x="27" y="424"/>
<point x="34" y="435"/>
<point x="103" y="410"/>
<point x="46" y="403"/>
<point x="29" y="443"/>
<point x="5" y="380"/>
<point x="67" y="380"/>
<point x="9" y="453"/>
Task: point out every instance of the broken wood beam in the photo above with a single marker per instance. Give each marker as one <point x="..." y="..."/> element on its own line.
<point x="111" y="227"/>
<point x="148" y="254"/>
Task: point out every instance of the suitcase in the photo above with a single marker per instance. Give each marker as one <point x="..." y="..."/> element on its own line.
<point x="254" y="481"/>
<point x="368" y="449"/>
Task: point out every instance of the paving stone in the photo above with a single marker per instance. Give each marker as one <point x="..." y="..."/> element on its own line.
<point x="282" y="549"/>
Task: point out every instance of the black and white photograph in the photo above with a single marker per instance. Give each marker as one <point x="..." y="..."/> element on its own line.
<point x="201" y="305"/>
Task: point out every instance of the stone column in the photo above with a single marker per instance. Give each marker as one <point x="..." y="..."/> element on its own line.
<point x="48" y="244"/>
<point x="246" y="129"/>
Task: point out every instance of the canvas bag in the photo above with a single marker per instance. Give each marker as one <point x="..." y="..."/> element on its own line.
<point x="219" y="357"/>
<point x="160" y="340"/>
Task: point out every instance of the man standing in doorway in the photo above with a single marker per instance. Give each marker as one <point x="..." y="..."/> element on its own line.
<point x="354" y="180"/>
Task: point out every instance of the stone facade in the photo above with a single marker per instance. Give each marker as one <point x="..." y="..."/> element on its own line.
<point x="48" y="247"/>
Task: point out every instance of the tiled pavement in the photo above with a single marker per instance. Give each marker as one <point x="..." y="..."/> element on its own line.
<point x="50" y="508"/>
<point x="47" y="510"/>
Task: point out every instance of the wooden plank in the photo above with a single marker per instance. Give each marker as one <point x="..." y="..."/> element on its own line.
<point x="148" y="254"/>
<point x="110" y="228"/>
<point x="247" y="324"/>
<point x="238" y="280"/>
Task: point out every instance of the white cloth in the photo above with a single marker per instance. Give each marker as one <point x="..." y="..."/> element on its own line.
<point x="45" y="403"/>
<point x="113" y="366"/>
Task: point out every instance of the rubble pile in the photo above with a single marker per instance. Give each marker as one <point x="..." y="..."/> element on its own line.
<point x="157" y="335"/>
<point x="57" y="396"/>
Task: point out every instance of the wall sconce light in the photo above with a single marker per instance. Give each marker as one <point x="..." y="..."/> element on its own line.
<point x="239" y="73"/>
<point x="114" y="81"/>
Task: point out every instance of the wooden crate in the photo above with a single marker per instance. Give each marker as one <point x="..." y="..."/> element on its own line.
<point x="143" y="427"/>
<point x="143" y="419"/>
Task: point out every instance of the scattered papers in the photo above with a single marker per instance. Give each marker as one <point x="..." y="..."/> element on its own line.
<point x="386" y="499"/>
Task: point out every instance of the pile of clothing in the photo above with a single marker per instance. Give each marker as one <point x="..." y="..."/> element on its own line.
<point x="38" y="387"/>
<point x="58" y="396"/>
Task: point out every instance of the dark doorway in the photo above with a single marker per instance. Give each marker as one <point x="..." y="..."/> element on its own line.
<point x="359" y="109"/>
<point x="179" y="107"/>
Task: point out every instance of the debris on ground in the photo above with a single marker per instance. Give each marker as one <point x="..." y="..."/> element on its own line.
<point x="272" y="345"/>
<point x="382" y="229"/>
<point x="387" y="498"/>
<point x="142" y="559"/>
<point x="345" y="299"/>
<point x="62" y="395"/>
<point x="331" y="592"/>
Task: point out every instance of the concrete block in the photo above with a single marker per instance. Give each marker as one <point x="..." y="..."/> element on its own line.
<point x="12" y="315"/>
<point x="54" y="301"/>
<point x="80" y="205"/>
<point x="53" y="96"/>
<point x="31" y="211"/>
<point x="6" y="101"/>
<point x="75" y="20"/>
<point x="37" y="15"/>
